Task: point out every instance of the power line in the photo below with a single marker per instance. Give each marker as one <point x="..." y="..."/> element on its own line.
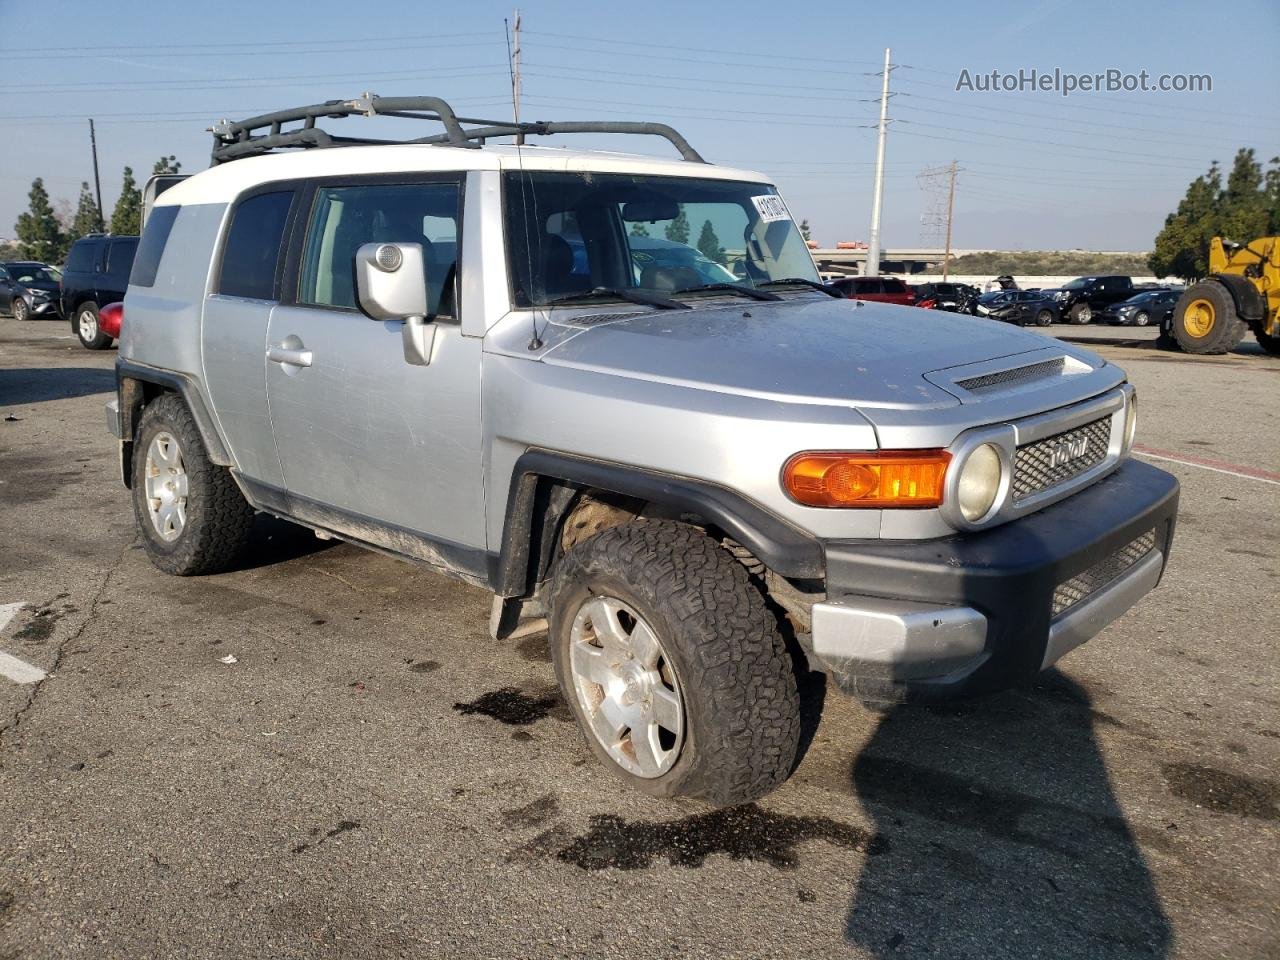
<point x="8" y="54"/>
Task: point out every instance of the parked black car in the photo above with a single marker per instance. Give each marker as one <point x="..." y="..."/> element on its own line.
<point x="1083" y="297"/>
<point x="29" y="289"/>
<point x="958" y="297"/>
<point x="1023" y="307"/>
<point x="1147" y="307"/>
<point x="96" y="274"/>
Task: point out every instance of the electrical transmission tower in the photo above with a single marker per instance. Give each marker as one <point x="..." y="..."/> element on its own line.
<point x="939" y="186"/>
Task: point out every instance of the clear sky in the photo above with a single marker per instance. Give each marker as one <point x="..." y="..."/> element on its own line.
<point x="790" y="89"/>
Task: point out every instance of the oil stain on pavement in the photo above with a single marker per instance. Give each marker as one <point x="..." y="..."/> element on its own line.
<point x="1224" y="792"/>
<point x="512" y="706"/>
<point x="741" y="833"/>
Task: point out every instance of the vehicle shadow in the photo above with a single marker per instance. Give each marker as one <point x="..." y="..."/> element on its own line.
<point x="274" y="541"/>
<point x="37" y="384"/>
<point x="1003" y="837"/>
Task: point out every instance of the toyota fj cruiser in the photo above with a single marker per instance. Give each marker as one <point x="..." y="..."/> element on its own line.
<point x="454" y="352"/>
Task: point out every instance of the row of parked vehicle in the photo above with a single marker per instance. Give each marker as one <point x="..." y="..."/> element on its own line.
<point x="1111" y="299"/>
<point x="95" y="276"/>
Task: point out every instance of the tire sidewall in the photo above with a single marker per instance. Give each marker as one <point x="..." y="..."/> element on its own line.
<point x="99" y="340"/>
<point x="1044" y="318"/>
<point x="1141" y="318"/>
<point x="169" y="415"/>
<point x="576" y="584"/>
<point x="18" y="309"/>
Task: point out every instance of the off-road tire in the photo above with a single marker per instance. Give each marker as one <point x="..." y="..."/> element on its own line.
<point x="1080" y="313"/>
<point x="218" y="517"/>
<point x="1267" y="342"/>
<point x="1227" y="329"/>
<point x="18" y="309"/>
<point x="742" y="707"/>
<point x="97" y="340"/>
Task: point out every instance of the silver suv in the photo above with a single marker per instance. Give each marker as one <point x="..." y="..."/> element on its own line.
<point x="698" y="481"/>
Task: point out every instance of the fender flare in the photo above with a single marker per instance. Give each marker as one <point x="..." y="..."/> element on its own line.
<point x="132" y="396"/>
<point x="1249" y="303"/>
<point x="543" y="485"/>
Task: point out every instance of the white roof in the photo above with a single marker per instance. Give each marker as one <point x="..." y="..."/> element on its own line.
<point x="223" y="183"/>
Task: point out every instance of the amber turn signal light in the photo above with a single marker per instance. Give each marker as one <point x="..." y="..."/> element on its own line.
<point x="886" y="478"/>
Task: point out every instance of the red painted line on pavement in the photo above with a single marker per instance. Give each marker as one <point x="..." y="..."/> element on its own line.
<point x="1192" y="460"/>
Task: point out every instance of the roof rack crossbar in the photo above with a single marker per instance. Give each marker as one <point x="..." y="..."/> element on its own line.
<point x="242" y="138"/>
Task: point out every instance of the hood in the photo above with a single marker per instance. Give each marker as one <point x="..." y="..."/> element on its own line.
<point x="50" y="285"/>
<point x="826" y="351"/>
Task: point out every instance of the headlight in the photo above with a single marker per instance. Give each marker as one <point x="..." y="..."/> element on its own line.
<point x="979" y="482"/>
<point x="1130" y="422"/>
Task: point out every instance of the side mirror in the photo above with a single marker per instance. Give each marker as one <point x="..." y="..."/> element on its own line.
<point x="391" y="284"/>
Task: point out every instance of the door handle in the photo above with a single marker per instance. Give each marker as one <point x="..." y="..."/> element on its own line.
<point x="292" y="356"/>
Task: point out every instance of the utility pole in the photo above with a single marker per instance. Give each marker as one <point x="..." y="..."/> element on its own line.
<point x="97" y="182"/>
<point x="873" y="244"/>
<point x="951" y="202"/>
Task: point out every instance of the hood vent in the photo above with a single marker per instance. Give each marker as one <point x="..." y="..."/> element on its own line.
<point x="594" y="319"/>
<point x="1003" y="379"/>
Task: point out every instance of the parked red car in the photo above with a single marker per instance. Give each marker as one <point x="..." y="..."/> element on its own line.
<point x="882" y="289"/>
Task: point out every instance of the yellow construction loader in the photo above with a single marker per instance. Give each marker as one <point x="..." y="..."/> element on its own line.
<point x="1241" y="293"/>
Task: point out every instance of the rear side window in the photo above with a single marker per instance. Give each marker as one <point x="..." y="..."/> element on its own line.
<point x="80" y="260"/>
<point x="154" y="236"/>
<point x="894" y="286"/>
<point x="120" y="257"/>
<point x="252" y="250"/>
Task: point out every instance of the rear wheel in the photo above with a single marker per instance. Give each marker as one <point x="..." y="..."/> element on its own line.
<point x="1044" y="318"/>
<point x="1205" y="319"/>
<point x="672" y="664"/>
<point x="192" y="516"/>
<point x="1080" y="313"/>
<point x="87" y="329"/>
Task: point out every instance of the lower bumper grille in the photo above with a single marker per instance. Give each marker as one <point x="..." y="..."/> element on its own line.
<point x="1079" y="588"/>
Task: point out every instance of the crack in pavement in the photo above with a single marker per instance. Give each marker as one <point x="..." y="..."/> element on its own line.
<point x="59" y="650"/>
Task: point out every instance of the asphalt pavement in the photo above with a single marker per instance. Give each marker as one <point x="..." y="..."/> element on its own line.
<point x="322" y="754"/>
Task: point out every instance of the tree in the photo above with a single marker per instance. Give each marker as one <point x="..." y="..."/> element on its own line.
<point x="126" y="218"/>
<point x="709" y="244"/>
<point x="88" y="218"/>
<point x="168" y="164"/>
<point x="638" y="229"/>
<point x="804" y="230"/>
<point x="678" y="229"/>
<point x="1245" y="208"/>
<point x="39" y="236"/>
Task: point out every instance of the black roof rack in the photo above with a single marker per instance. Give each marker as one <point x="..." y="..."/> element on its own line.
<point x="232" y="140"/>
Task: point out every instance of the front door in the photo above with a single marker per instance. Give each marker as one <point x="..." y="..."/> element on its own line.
<point x="371" y="446"/>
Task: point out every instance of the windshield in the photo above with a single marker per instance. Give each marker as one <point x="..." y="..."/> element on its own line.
<point x="570" y="233"/>
<point x="31" y="273"/>
<point x="1077" y="284"/>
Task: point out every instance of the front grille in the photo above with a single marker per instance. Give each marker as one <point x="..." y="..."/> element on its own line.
<point x="1032" y="371"/>
<point x="1043" y="464"/>
<point x="1081" y="587"/>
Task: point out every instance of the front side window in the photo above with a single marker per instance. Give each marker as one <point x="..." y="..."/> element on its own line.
<point x="252" y="252"/>
<point x="345" y="218"/>
<point x="568" y="233"/>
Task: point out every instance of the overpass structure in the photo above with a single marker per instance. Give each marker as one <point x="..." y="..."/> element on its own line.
<point x="898" y="261"/>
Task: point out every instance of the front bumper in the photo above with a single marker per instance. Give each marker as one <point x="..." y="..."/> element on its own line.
<point x="44" y="308"/>
<point x="982" y="611"/>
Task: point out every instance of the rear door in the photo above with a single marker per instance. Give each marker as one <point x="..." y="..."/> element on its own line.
<point x="233" y="330"/>
<point x="370" y="445"/>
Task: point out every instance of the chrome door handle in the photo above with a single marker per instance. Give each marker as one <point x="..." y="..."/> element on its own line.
<point x="296" y="358"/>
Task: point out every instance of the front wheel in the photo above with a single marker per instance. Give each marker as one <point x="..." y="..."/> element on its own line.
<point x="1081" y="313"/>
<point x="19" y="309"/>
<point x="1205" y="319"/>
<point x="192" y="516"/>
<point x="672" y="664"/>
<point x="1141" y="318"/>
<point x="87" y="329"/>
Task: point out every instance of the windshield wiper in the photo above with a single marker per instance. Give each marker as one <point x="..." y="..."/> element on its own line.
<point x="741" y="288"/>
<point x="620" y="293"/>
<point x="805" y="282"/>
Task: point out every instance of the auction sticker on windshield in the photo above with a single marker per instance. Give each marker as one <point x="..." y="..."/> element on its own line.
<point x="771" y="208"/>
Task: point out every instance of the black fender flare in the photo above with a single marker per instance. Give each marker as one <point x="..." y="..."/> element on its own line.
<point x="1250" y="304"/>
<point x="543" y="485"/>
<point x="132" y="395"/>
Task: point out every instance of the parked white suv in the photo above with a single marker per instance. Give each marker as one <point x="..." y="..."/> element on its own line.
<point x="459" y="355"/>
